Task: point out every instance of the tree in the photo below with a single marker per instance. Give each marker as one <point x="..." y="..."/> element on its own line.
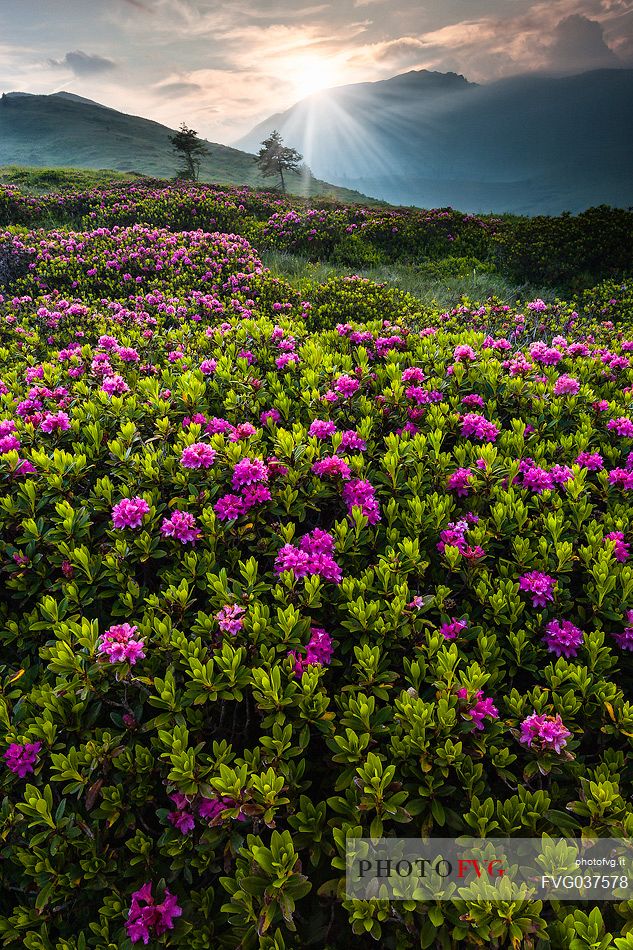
<point x="275" y="158"/>
<point x="189" y="150"/>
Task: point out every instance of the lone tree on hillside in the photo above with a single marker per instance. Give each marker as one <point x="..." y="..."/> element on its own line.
<point x="189" y="150"/>
<point x="275" y="158"/>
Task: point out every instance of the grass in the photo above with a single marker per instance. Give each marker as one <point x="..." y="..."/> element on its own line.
<point x="416" y="279"/>
<point x="44" y="180"/>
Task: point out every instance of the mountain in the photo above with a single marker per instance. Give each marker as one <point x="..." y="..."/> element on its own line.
<point x="65" y="130"/>
<point x="531" y="144"/>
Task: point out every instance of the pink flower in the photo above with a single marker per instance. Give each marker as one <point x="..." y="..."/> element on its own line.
<point x="483" y="707"/>
<point x="563" y="638"/>
<point x="120" y="645"/>
<point x="459" y="481"/>
<point x="623" y="426"/>
<point x="271" y="414"/>
<point x="55" y="422"/>
<point x="591" y="460"/>
<point x="129" y="513"/>
<point x="464" y="352"/>
<point x="114" y="385"/>
<point x="22" y="758"/>
<point x="228" y="507"/>
<point x="198" y="455"/>
<point x="331" y="466"/>
<point x="621" y="547"/>
<point x="322" y="428"/>
<point x="359" y="493"/>
<point x="625" y="640"/>
<point x="182" y="818"/>
<point x="346" y="385"/>
<point x="146" y="919"/>
<point x="352" y="441"/>
<point x="541" y="586"/>
<point x="474" y="399"/>
<point x="313" y="556"/>
<point x="319" y="651"/>
<point x="566" y="386"/>
<point x="544" y="732"/>
<point x="453" y="628"/>
<point x="229" y="618"/>
<point x="182" y="526"/>
<point x="479" y="427"/>
<point x="413" y="374"/>
<point x="248" y="472"/>
<point x="8" y="443"/>
<point x="243" y="431"/>
<point x="207" y="367"/>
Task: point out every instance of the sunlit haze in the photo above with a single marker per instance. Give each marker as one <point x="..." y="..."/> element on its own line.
<point x="224" y="66"/>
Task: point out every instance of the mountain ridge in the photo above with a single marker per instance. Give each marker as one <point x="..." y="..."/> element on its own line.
<point x="563" y="141"/>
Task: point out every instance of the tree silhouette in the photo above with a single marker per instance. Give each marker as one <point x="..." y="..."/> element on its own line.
<point x="275" y="158"/>
<point x="189" y="150"/>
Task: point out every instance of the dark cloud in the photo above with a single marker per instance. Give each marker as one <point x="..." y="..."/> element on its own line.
<point x="579" y="44"/>
<point x="83" y="64"/>
<point x="182" y="88"/>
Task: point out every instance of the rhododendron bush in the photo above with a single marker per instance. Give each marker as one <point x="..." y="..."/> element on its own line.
<point x="269" y="581"/>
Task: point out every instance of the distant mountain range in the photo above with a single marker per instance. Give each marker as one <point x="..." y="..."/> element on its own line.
<point x="66" y="130"/>
<point x="531" y="144"/>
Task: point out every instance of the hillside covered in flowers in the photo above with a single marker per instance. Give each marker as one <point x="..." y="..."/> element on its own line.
<point x="282" y="567"/>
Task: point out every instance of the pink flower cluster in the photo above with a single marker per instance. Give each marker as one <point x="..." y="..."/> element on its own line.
<point x="209" y="809"/>
<point x="147" y="920"/>
<point x="129" y="513"/>
<point x="121" y="645"/>
<point x="322" y="428"/>
<point x="566" y="386"/>
<point x="21" y="758"/>
<point x="198" y="455"/>
<point x="623" y="426"/>
<point x="453" y="628"/>
<point x="563" y="638"/>
<point x="479" y="427"/>
<point x="229" y="618"/>
<point x="454" y="535"/>
<point x="482" y="709"/>
<point x="544" y="732"/>
<point x="459" y="481"/>
<point x="250" y="475"/>
<point x="540" y="585"/>
<point x="332" y="466"/>
<point x="249" y="472"/>
<point x="591" y="460"/>
<point x="182" y="526"/>
<point x="55" y="422"/>
<point x="620" y="546"/>
<point x="319" y="651"/>
<point x="625" y="640"/>
<point x="312" y="556"/>
<point x="359" y="493"/>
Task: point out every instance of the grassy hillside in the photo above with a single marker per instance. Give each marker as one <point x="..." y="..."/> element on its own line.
<point x="59" y="132"/>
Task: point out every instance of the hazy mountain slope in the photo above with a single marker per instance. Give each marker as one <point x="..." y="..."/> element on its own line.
<point x="64" y="130"/>
<point x="529" y="144"/>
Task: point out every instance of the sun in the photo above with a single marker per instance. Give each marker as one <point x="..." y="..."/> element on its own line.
<point x="310" y="73"/>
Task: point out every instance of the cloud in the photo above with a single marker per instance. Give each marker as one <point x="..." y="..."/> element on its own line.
<point x="83" y="64"/>
<point x="180" y="87"/>
<point x="579" y="44"/>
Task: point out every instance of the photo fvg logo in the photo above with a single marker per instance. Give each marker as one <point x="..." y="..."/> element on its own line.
<point x="386" y="867"/>
<point x="494" y="869"/>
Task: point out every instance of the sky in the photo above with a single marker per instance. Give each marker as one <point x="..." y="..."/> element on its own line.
<point x="221" y="66"/>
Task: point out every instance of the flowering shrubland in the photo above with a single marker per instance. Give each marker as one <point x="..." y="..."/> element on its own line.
<point x="572" y="251"/>
<point x="270" y="579"/>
